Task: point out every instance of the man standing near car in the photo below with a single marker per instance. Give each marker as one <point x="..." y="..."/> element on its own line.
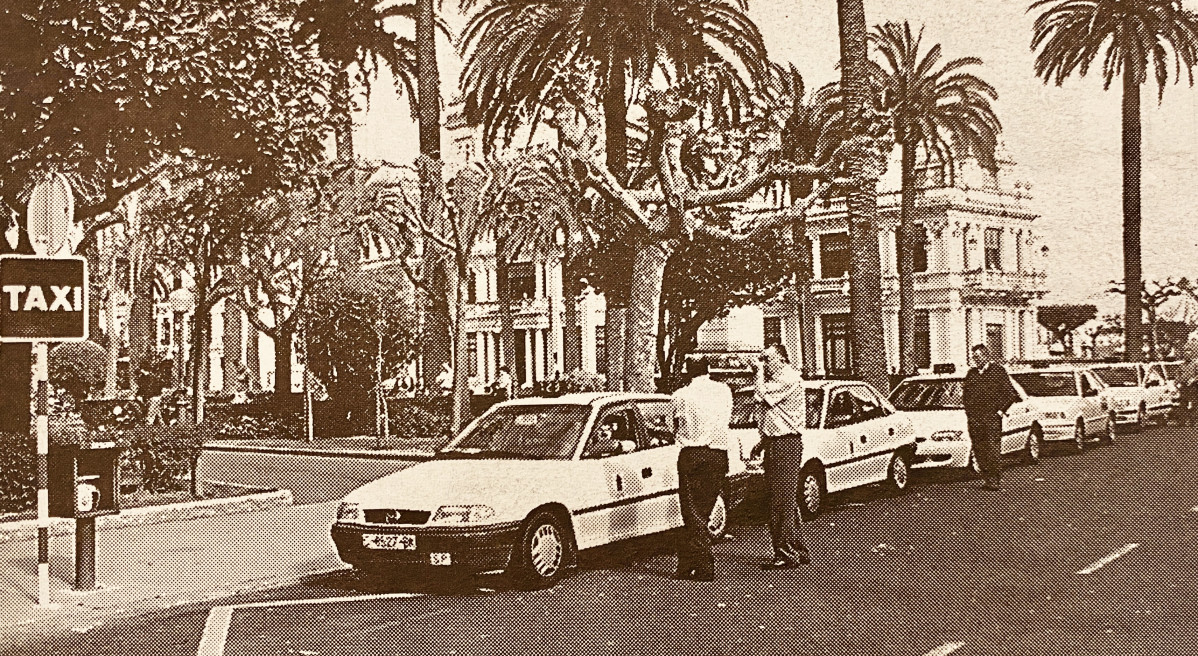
<point x="701" y="411"/>
<point x="986" y="394"/>
<point x="781" y="422"/>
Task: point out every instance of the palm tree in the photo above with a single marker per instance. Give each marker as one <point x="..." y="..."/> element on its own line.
<point x="940" y="109"/>
<point x="861" y="200"/>
<point x="349" y="35"/>
<point x="1131" y="37"/>
<point x="518" y="50"/>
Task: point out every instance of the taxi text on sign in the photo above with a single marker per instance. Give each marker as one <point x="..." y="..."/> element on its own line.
<point x="43" y="299"/>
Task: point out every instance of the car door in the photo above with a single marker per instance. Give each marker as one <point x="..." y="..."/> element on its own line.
<point x="658" y="466"/>
<point x="1159" y="397"/>
<point x="874" y="435"/>
<point x="838" y="449"/>
<point x="1093" y="408"/>
<point x="619" y="514"/>
<point x="1017" y="422"/>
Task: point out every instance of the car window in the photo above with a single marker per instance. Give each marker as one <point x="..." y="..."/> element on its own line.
<point x="928" y="395"/>
<point x="613" y="434"/>
<point x="869" y="406"/>
<point x="531" y="431"/>
<point x="842" y="410"/>
<point x="659" y="421"/>
<point x="1042" y="383"/>
<point x="1118" y="376"/>
<point x="744" y="410"/>
<point x="815" y="406"/>
<point x="1154" y="377"/>
<point x="1088" y="386"/>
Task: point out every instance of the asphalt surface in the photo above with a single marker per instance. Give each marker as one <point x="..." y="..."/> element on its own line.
<point x="311" y="479"/>
<point x="1046" y="566"/>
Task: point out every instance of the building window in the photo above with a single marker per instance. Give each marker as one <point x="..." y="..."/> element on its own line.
<point x="994" y="249"/>
<point x="994" y="340"/>
<point x="919" y="249"/>
<point x="923" y="339"/>
<point x="771" y="331"/>
<point x="164" y="331"/>
<point x="600" y="350"/>
<point x="834" y="255"/>
<point x="522" y="280"/>
<point x="838" y="356"/>
<point x="473" y="350"/>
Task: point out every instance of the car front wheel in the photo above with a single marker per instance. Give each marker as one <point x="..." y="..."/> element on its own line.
<point x="899" y="478"/>
<point x="813" y="492"/>
<point x="542" y="551"/>
<point x="1109" y="435"/>
<point x="1033" y="446"/>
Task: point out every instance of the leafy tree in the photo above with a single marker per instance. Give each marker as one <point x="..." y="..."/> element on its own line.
<point x="1062" y="320"/>
<point x="77" y="367"/>
<point x="1132" y="38"/>
<point x="936" y="108"/>
<point x="360" y="332"/>
<point x="1153" y="295"/>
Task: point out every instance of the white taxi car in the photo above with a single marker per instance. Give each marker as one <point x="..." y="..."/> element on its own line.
<point x="1173" y="373"/>
<point x="941" y="432"/>
<point x="525" y="486"/>
<point x="1136" y="393"/>
<point x="854" y="437"/>
<point x="1069" y="401"/>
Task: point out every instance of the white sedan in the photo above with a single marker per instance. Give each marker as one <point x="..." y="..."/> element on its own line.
<point x="942" y="433"/>
<point x="1070" y="401"/>
<point x="1136" y="393"/>
<point x="854" y="437"/>
<point x="525" y="487"/>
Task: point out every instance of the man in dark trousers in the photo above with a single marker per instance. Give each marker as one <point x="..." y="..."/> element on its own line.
<point x="986" y="394"/>
<point x="701" y="410"/>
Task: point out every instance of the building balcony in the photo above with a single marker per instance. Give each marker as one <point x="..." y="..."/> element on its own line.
<point x="523" y="307"/>
<point x="990" y="283"/>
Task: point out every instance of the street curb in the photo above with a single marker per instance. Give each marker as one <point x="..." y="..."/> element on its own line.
<point x="23" y="530"/>
<point x="411" y="456"/>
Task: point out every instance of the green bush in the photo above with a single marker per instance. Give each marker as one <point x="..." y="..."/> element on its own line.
<point x="161" y="455"/>
<point x="18" y="472"/>
<point x="418" y="419"/>
<point x="78" y="367"/>
<point x="255" y="421"/>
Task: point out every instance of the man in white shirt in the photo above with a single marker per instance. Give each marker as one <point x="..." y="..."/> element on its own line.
<point x="782" y="419"/>
<point x="701" y="411"/>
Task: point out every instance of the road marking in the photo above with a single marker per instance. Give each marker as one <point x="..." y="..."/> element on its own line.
<point x="1194" y="509"/>
<point x="1108" y="559"/>
<point x="216" y="627"/>
<point x="945" y="649"/>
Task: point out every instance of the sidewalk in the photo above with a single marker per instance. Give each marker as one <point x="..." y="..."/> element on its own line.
<point x="150" y="567"/>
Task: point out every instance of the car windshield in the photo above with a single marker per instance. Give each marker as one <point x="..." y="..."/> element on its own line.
<point x="536" y="432"/>
<point x="744" y="409"/>
<point x="928" y="395"/>
<point x="1118" y="376"/>
<point x="1047" y="384"/>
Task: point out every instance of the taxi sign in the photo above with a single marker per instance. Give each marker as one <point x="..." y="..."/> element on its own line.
<point x="43" y="299"/>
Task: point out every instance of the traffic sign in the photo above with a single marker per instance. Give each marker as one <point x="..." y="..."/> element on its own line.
<point x="51" y="212"/>
<point x="43" y="299"/>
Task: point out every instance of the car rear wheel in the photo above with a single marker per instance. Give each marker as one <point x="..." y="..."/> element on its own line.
<point x="1111" y="426"/>
<point x="1079" y="435"/>
<point x="899" y="477"/>
<point x="813" y="492"/>
<point x="717" y="523"/>
<point x="1033" y="446"/>
<point x="542" y="552"/>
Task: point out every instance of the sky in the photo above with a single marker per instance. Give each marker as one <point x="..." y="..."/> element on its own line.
<point x="1065" y="140"/>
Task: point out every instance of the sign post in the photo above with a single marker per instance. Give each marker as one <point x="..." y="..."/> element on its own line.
<point x="28" y="314"/>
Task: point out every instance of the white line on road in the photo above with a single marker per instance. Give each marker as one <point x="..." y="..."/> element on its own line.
<point x="1194" y="509"/>
<point x="1108" y="559"/>
<point x="216" y="627"/>
<point x="945" y="649"/>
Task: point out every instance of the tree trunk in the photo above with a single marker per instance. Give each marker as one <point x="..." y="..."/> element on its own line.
<point x="16" y="361"/>
<point x="906" y="262"/>
<point x="201" y="324"/>
<point x="649" y="264"/>
<point x="282" y="364"/>
<point x="613" y="338"/>
<point x="615" y="115"/>
<point x="111" y="330"/>
<point x="435" y="346"/>
<point x="461" y="351"/>
<point x="865" y="299"/>
<point x="571" y="335"/>
<point x="380" y="420"/>
<point x="343" y="125"/>
<point x="1133" y="327"/>
<point x="507" y="318"/>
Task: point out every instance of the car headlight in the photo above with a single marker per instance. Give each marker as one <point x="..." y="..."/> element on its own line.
<point x="947" y="435"/>
<point x="1054" y="415"/>
<point x="463" y="514"/>
<point x="349" y="512"/>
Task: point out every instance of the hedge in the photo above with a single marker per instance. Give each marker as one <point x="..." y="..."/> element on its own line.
<point x="18" y="472"/>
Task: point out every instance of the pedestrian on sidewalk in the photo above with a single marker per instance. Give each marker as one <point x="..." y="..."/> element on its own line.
<point x="782" y="420"/>
<point x="986" y="394"/>
<point x="701" y="411"/>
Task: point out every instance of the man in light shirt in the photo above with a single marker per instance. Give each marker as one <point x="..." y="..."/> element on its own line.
<point x="781" y="422"/>
<point x="701" y="411"/>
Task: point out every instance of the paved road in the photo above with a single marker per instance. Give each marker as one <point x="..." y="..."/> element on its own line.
<point x="311" y="479"/>
<point x="943" y="569"/>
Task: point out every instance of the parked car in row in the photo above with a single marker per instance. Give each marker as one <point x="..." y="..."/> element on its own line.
<point x="1172" y="372"/>
<point x="1069" y="401"/>
<point x="1135" y="392"/>
<point x="941" y="431"/>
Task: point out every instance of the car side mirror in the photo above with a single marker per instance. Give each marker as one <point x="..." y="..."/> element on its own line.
<point x="1153" y="383"/>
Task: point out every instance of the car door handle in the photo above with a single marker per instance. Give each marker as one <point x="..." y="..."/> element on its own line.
<point x="892" y="432"/>
<point x="619" y="483"/>
<point x="646" y="472"/>
<point x="864" y="439"/>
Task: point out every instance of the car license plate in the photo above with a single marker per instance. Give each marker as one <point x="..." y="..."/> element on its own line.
<point x="440" y="559"/>
<point x="398" y="542"/>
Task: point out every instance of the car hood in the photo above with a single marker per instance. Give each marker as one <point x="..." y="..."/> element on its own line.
<point x="1122" y="392"/>
<point x="1052" y="403"/>
<point x="927" y="422"/>
<point x="505" y="485"/>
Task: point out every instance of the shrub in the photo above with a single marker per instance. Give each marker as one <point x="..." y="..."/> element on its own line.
<point x="582" y="381"/>
<point x="161" y="454"/>
<point x="78" y="367"/>
<point x="418" y="419"/>
<point x="259" y="420"/>
<point x="18" y="472"/>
